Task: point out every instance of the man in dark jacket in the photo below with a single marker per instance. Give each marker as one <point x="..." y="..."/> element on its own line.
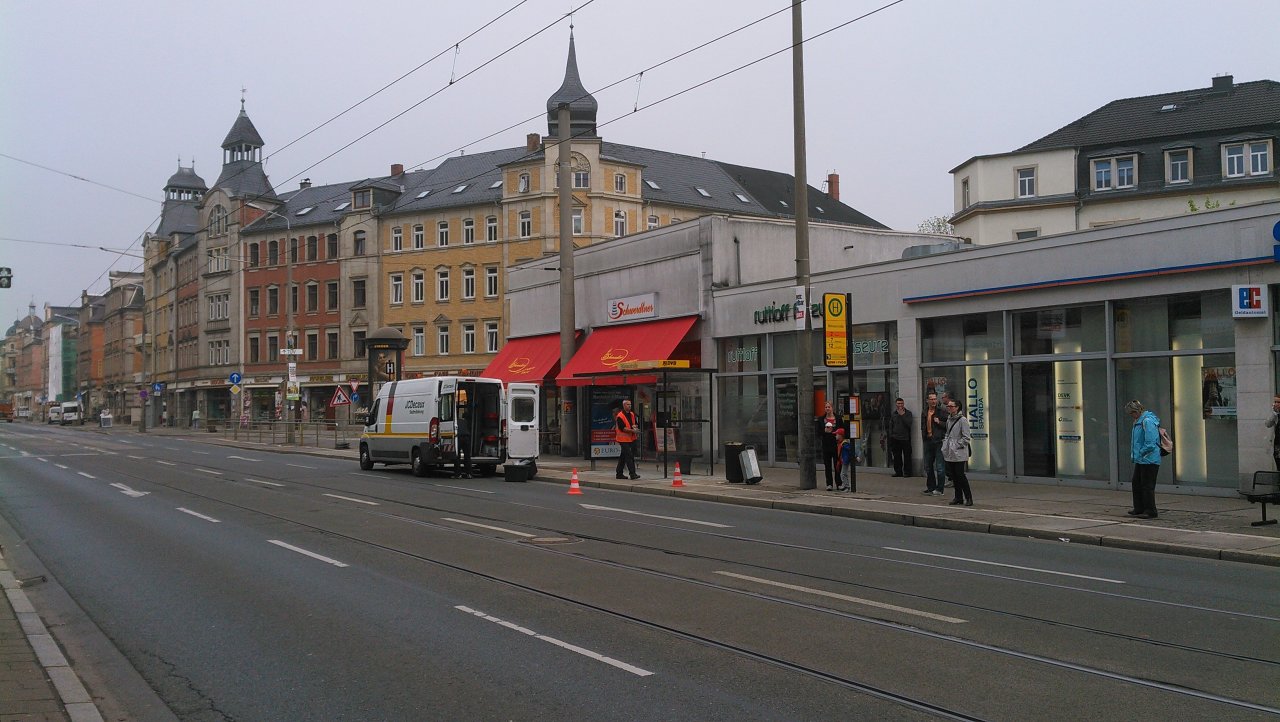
<point x="933" y="427"/>
<point x="898" y="429"/>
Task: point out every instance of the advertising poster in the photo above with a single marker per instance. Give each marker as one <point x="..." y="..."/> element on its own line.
<point x="602" y="442"/>
<point x="1218" y="391"/>
<point x="975" y="408"/>
<point x="1069" y="409"/>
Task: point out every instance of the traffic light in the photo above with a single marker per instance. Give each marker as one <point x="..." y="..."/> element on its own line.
<point x="6" y="277"/>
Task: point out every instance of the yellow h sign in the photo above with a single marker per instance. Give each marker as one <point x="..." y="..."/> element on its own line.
<point x="835" y="315"/>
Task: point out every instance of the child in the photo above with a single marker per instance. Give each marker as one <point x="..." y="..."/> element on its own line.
<point x="844" y="461"/>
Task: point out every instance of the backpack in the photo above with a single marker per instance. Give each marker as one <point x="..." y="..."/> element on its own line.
<point x="1166" y="442"/>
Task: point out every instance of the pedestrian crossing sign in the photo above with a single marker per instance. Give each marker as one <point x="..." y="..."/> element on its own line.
<point x="340" y="397"/>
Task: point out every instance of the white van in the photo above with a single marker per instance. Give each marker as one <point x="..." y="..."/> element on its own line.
<point x="71" y="413"/>
<point x="444" y="422"/>
<point x="55" y="414"/>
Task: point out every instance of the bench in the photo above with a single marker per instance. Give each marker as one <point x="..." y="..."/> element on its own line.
<point x="1265" y="490"/>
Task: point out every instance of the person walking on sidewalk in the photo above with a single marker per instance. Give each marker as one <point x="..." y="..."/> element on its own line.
<point x="195" y="418"/>
<point x="1274" y="423"/>
<point x="898" y="430"/>
<point x="845" y="461"/>
<point x="955" y="450"/>
<point x="933" y="427"/>
<point x="625" y="433"/>
<point x="827" y="425"/>
<point x="1145" y="452"/>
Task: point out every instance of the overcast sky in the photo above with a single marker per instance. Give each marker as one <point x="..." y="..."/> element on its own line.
<point x="116" y="92"/>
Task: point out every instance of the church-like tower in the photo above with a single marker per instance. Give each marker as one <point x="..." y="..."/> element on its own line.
<point x="582" y="105"/>
<point x="242" y="172"/>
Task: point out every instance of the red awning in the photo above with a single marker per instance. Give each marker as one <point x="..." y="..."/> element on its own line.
<point x="530" y="360"/>
<point x="607" y="347"/>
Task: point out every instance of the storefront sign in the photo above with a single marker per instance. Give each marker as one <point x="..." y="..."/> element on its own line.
<point x="741" y="355"/>
<point x="780" y="312"/>
<point x="632" y="307"/>
<point x="1249" y="301"/>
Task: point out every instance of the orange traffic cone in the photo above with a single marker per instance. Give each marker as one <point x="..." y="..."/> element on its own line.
<point x="677" y="481"/>
<point x="573" y="484"/>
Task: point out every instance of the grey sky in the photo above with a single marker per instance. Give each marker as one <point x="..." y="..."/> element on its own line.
<point x="116" y="92"/>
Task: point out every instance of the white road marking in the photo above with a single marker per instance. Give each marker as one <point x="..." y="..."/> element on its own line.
<point x="77" y="454"/>
<point x="313" y="555"/>
<point x="371" y="476"/>
<point x="206" y="453"/>
<point x="300" y="466"/>
<point x="60" y="466"/>
<point x="131" y="456"/>
<point x="464" y="488"/>
<point x="855" y="600"/>
<point x="89" y="476"/>
<point x="130" y="492"/>
<point x="166" y="463"/>
<point x="197" y="515"/>
<point x="655" y="516"/>
<point x="243" y="458"/>
<point x="494" y="528"/>
<point x="209" y="471"/>
<point x="358" y="501"/>
<point x="42" y="459"/>
<point x="1007" y="566"/>
<point x="565" y="645"/>
<point x="260" y="481"/>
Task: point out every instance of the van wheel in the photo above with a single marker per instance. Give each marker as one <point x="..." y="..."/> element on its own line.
<point x="418" y="465"/>
<point x="366" y="461"/>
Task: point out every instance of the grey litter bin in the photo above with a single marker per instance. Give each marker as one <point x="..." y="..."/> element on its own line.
<point x="733" y="461"/>
<point x="749" y="466"/>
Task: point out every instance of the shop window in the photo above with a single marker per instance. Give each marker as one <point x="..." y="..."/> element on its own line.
<point x="980" y="390"/>
<point x="744" y="411"/>
<point x="742" y="354"/>
<point x="962" y="338"/>
<point x="873" y="344"/>
<point x="1060" y="411"/>
<point x="1060" y="330"/>
<point x="1186" y="321"/>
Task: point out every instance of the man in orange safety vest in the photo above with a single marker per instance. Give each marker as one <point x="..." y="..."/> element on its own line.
<point x="625" y="433"/>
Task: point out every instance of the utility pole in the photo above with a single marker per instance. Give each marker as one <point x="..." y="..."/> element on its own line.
<point x="568" y="318"/>
<point x="804" y="329"/>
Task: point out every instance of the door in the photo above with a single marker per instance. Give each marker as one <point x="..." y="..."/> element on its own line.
<point x="522" y="421"/>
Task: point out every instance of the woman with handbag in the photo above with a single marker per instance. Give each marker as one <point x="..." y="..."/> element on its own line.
<point x="955" y="452"/>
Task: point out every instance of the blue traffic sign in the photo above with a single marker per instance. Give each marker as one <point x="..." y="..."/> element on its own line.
<point x="1275" y="231"/>
<point x="157" y="387"/>
<point x="355" y="398"/>
<point x="234" y="377"/>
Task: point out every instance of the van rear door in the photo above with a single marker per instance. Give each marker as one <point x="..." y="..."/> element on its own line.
<point x="522" y="421"/>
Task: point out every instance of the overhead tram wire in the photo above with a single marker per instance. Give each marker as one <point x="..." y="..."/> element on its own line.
<point x="79" y="178"/>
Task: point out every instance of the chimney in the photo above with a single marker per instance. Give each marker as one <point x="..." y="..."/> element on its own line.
<point x="532" y="142"/>
<point x="833" y="186"/>
<point x="305" y="184"/>
<point x="397" y="169"/>
<point x="1223" y="82"/>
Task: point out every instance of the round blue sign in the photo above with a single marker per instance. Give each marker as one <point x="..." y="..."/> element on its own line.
<point x="1275" y="231"/>
<point x="234" y="377"/>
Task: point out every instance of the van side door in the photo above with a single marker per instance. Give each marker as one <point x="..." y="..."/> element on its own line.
<point x="522" y="421"/>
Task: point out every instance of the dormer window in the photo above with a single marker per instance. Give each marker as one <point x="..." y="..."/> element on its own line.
<point x="1026" y="182"/>
<point x="1240" y="160"/>
<point x="1177" y="166"/>
<point x="362" y="199"/>
<point x="1115" y="173"/>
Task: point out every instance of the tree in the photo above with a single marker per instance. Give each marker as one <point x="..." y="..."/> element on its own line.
<point x="937" y="224"/>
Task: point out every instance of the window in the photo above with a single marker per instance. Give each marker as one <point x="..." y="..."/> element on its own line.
<point x="1113" y="173"/>
<point x="1026" y="182"/>
<point x="341" y="206"/>
<point x="331" y="246"/>
<point x="219" y="260"/>
<point x="468" y="338"/>
<point x="397" y="239"/>
<point x="218" y="221"/>
<point x="362" y="199"/>
<point x="964" y="193"/>
<point x="577" y="221"/>
<point x="442" y="284"/>
<point x="442" y="340"/>
<point x="1259" y="158"/>
<point x="619" y="223"/>
<point x="313" y="297"/>
<point x="419" y="286"/>
<point x="293" y="250"/>
<point x="619" y="183"/>
<point x="496" y="184"/>
<point x="273" y="348"/>
<point x="702" y="192"/>
<point x="313" y="248"/>
<point x="253" y="255"/>
<point x="468" y="283"/>
<point x="1258" y="162"/>
<point x="653" y="184"/>
<point x="273" y="253"/>
<point x="460" y="188"/>
<point x="442" y="234"/>
<point x="419" y="237"/>
<point x="293" y="298"/>
<point x="1177" y="166"/>
<point x="491" y="229"/>
<point x="254" y="352"/>
<point x="357" y="338"/>
<point x="419" y="341"/>
<point x="313" y="345"/>
<point x="526" y="224"/>
<point x="273" y="301"/>
<point x="331" y="295"/>
<point x="491" y="336"/>
<point x="219" y="306"/>
<point x="653" y="222"/>
<point x="1024" y="235"/>
<point x="357" y="243"/>
<point x="523" y="185"/>
<point x="255" y="296"/>
<point x="468" y="231"/>
<point x="423" y="194"/>
<point x="742" y="197"/>
<point x="357" y="293"/>
<point x="397" y="288"/>
<point x="331" y="344"/>
<point x="491" y="281"/>
<point x="581" y="179"/>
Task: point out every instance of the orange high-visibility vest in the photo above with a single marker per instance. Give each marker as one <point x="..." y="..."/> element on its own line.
<point x="627" y="434"/>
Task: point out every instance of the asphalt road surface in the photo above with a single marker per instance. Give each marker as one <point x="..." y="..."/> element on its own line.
<point x="252" y="585"/>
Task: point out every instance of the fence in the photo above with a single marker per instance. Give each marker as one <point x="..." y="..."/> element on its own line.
<point x="320" y="434"/>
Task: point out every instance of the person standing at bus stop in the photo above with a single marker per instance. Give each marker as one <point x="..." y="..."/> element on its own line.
<point x="626" y="433"/>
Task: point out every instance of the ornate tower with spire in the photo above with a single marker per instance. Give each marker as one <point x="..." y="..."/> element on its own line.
<point x="242" y="173"/>
<point x="582" y="106"/>
<point x="182" y="196"/>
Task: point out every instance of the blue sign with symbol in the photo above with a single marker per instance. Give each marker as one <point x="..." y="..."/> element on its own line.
<point x="355" y="398"/>
<point x="1275" y="231"/>
<point x="157" y="387"/>
<point x="234" y="377"/>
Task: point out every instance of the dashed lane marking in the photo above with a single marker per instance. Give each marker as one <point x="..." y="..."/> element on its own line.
<point x="260" y="481"/>
<point x="209" y="471"/>
<point x="313" y="555"/>
<point x="1007" y="566"/>
<point x="564" y="645"/>
<point x="494" y="528"/>
<point x="358" y="501"/>
<point x="198" y="515"/>
<point x="166" y="463"/>
<point x="655" y="516"/>
<point x="846" y="598"/>
<point x="87" y="476"/>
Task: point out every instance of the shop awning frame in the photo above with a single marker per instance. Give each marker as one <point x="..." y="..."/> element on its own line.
<point x="608" y="346"/>
<point x="541" y="351"/>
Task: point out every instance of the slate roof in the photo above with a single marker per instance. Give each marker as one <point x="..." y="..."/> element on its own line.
<point x="186" y="179"/>
<point x="322" y="200"/>
<point x="1237" y="105"/>
<point x="242" y="131"/>
<point x="245" y="179"/>
<point x="582" y="105"/>
<point x="178" y="217"/>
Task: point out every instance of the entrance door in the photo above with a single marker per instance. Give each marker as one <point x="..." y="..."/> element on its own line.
<point x="522" y="421"/>
<point x="1036" y="408"/>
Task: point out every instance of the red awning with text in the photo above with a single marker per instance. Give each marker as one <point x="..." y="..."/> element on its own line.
<point x="529" y="360"/>
<point x="607" y="347"/>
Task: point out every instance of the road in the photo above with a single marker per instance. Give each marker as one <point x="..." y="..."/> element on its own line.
<point x="252" y="585"/>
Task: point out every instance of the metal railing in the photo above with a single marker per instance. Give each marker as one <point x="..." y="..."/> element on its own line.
<point x="320" y="434"/>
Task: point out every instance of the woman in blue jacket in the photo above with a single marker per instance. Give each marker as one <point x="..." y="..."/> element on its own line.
<point x="1145" y="453"/>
